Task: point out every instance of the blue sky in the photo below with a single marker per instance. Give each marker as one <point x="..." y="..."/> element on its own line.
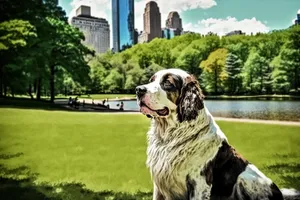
<point x="219" y="16"/>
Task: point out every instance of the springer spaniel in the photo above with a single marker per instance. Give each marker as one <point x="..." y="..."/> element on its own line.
<point x="188" y="155"/>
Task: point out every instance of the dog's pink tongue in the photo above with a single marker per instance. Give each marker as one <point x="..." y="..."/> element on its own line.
<point x="146" y="111"/>
<point x="163" y="111"/>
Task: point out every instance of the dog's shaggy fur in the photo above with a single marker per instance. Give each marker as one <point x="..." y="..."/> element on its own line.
<point x="189" y="157"/>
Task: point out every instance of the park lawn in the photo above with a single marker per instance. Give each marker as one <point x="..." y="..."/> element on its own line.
<point x="107" y="152"/>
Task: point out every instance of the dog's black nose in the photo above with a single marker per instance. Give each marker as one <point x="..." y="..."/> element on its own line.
<point x="140" y="91"/>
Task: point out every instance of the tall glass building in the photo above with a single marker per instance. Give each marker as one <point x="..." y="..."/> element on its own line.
<point x="123" y="24"/>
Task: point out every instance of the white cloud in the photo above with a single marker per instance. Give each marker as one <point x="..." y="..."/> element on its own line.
<point x="223" y="26"/>
<point x="99" y="8"/>
<point x="298" y="11"/>
<point x="192" y="27"/>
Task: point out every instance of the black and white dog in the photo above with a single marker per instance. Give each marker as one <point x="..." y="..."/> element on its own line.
<point x="188" y="155"/>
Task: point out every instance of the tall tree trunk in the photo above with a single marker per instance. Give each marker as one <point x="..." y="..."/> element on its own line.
<point x="34" y="86"/>
<point x="216" y="81"/>
<point x="1" y="82"/>
<point x="261" y="80"/>
<point x="38" y="88"/>
<point x="5" y="90"/>
<point x="52" y="74"/>
<point x="66" y="91"/>
<point x="30" y="91"/>
<point x="296" y="78"/>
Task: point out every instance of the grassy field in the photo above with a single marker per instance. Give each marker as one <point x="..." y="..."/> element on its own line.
<point x="67" y="155"/>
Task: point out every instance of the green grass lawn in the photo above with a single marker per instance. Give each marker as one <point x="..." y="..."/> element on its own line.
<point x="107" y="152"/>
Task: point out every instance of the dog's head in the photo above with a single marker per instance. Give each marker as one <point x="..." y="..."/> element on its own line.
<point x="170" y="91"/>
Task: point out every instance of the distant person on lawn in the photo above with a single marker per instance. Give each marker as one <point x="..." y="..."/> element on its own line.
<point x="122" y="106"/>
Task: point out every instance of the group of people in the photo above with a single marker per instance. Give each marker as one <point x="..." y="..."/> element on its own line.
<point x="74" y="102"/>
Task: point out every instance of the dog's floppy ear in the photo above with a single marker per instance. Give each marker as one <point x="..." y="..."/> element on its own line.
<point x="190" y="101"/>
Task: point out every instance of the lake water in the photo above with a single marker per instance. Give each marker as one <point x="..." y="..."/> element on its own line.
<point x="251" y="109"/>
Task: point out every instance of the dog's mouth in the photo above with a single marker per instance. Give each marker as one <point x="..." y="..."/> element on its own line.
<point x="161" y="112"/>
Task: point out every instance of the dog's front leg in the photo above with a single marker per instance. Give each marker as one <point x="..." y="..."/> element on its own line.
<point x="157" y="194"/>
<point x="197" y="188"/>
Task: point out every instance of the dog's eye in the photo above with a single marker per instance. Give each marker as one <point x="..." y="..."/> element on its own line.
<point x="152" y="79"/>
<point x="168" y="85"/>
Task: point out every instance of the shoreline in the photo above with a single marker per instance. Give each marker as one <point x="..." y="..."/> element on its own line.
<point x="221" y="97"/>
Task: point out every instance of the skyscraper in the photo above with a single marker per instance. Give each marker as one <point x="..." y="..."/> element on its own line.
<point x="297" y="21"/>
<point x="173" y="26"/>
<point x="174" y="21"/>
<point x="123" y="24"/>
<point x="152" y="21"/>
<point x="96" y="30"/>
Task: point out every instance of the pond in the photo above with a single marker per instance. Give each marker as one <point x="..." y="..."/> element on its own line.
<point x="251" y="109"/>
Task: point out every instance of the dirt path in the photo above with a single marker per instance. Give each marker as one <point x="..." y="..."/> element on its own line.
<point x="289" y="123"/>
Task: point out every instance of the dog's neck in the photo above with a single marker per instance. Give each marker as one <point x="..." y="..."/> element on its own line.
<point x="165" y="127"/>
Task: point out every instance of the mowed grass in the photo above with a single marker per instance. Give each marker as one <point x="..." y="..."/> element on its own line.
<point x="105" y="152"/>
<point x="108" y="151"/>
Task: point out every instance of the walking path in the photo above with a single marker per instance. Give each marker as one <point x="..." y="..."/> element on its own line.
<point x="289" y="123"/>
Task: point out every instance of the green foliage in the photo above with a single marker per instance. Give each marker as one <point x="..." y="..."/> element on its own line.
<point x="40" y="49"/>
<point x="257" y="73"/>
<point x="15" y="34"/>
<point x="214" y="73"/>
<point x="42" y="54"/>
<point x="250" y="65"/>
<point x="233" y="69"/>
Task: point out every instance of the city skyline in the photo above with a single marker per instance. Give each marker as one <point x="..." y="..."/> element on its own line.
<point x="203" y="16"/>
<point x="96" y="30"/>
<point x="122" y="24"/>
<point x="152" y="21"/>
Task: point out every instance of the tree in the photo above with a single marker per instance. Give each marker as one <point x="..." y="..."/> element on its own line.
<point x="257" y="76"/>
<point x="280" y="76"/>
<point x="214" y="72"/>
<point x="290" y="56"/>
<point x="64" y="49"/>
<point x="113" y="82"/>
<point x="14" y="35"/>
<point x="149" y="71"/>
<point x="233" y="69"/>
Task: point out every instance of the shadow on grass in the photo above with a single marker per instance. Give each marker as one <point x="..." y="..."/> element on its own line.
<point x="8" y="156"/>
<point x="288" y="172"/>
<point x="24" y="103"/>
<point x="19" y="184"/>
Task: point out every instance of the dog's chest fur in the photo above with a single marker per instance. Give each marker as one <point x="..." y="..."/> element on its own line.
<point x="180" y="152"/>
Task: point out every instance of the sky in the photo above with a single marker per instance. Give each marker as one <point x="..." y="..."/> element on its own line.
<point x="202" y="16"/>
